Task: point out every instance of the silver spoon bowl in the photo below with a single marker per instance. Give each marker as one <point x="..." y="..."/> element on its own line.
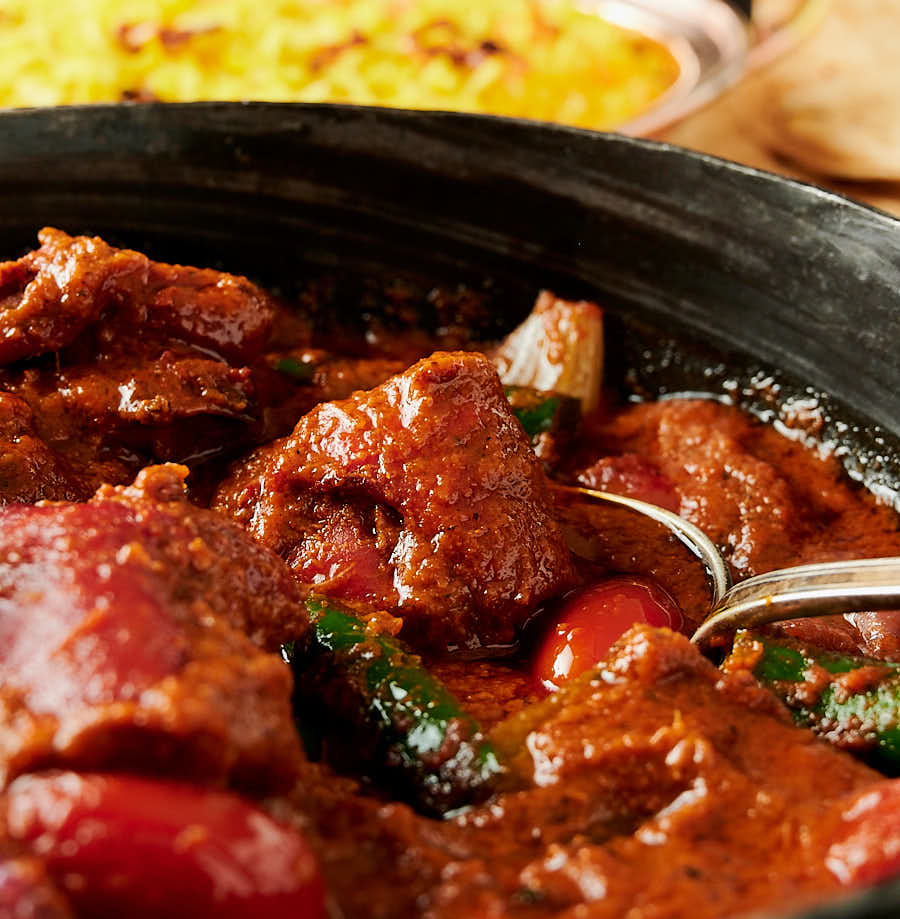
<point x="824" y="589"/>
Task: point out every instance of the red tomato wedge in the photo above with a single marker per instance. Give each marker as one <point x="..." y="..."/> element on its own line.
<point x="589" y="621"/>
<point x="135" y="847"/>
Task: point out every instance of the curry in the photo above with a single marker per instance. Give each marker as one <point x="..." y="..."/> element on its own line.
<point x="294" y="621"/>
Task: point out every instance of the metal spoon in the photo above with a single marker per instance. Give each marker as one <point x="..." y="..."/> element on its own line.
<point x="824" y="589"/>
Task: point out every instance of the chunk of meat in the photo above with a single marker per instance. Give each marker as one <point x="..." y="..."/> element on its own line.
<point x="734" y="494"/>
<point x="133" y="399"/>
<point x="30" y="470"/>
<point x="51" y="295"/>
<point x="345" y="548"/>
<point x="652" y="776"/>
<point x="160" y="390"/>
<point x="109" y="418"/>
<point x="151" y="362"/>
<point x="131" y="630"/>
<point x="222" y="312"/>
<point x="168" y="407"/>
<point x="48" y="297"/>
<point x="129" y="846"/>
<point x="466" y="547"/>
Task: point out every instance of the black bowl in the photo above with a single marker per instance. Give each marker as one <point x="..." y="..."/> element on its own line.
<point x="722" y="279"/>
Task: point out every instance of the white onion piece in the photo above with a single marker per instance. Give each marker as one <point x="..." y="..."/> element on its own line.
<point x="558" y="348"/>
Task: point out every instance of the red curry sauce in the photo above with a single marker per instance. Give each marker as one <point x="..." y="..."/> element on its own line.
<point x="145" y="710"/>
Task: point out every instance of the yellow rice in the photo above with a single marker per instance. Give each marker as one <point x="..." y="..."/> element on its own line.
<point x="534" y="58"/>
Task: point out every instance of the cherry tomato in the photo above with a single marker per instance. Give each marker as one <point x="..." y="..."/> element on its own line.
<point x="137" y="847"/>
<point x="590" y="620"/>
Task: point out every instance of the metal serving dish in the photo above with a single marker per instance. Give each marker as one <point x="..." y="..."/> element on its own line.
<point x="718" y="278"/>
<point x="715" y="42"/>
<point x="710" y="39"/>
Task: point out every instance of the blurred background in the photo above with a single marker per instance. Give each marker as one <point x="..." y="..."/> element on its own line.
<point x="826" y="109"/>
<point x="806" y="88"/>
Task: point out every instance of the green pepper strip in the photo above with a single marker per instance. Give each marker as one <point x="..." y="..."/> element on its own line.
<point x="866" y="721"/>
<point x="536" y="411"/>
<point x="296" y="369"/>
<point x="540" y="412"/>
<point x="421" y="731"/>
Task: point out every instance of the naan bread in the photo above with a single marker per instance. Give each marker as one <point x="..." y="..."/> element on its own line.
<point x="827" y="111"/>
<point x="833" y="105"/>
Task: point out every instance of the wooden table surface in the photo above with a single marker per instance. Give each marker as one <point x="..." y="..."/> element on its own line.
<point x="827" y="112"/>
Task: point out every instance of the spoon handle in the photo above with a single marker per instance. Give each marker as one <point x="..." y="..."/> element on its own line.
<point x="824" y="589"/>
